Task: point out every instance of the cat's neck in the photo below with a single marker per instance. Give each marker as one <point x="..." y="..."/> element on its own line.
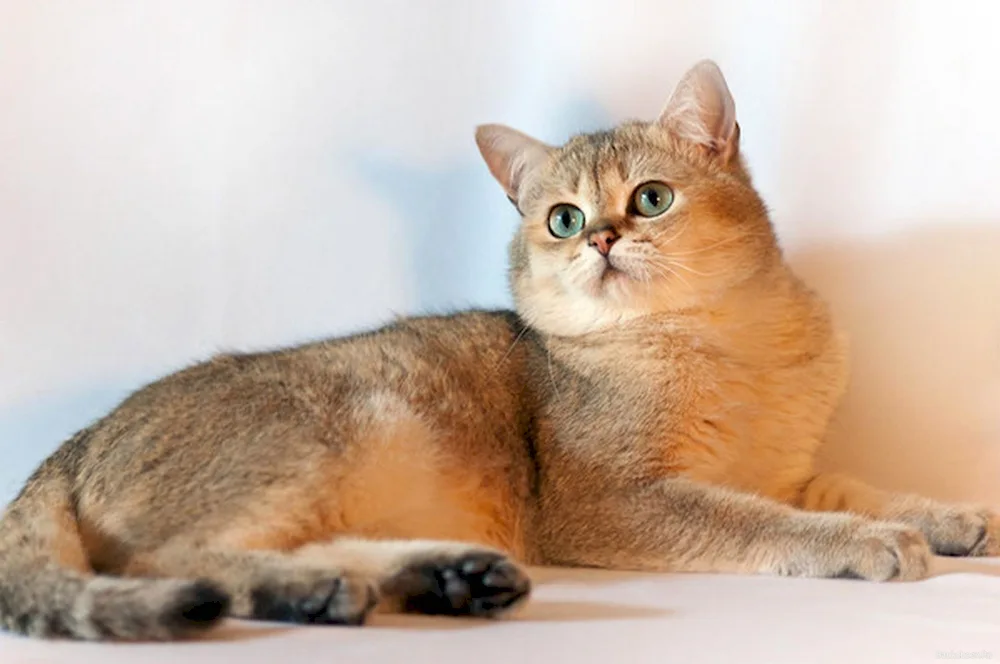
<point x="769" y="316"/>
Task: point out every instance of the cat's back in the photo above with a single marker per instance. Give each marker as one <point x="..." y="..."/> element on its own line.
<point x="429" y="360"/>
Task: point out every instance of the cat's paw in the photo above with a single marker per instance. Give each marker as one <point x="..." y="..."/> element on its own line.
<point x="991" y="545"/>
<point x="849" y="547"/>
<point x="470" y="583"/>
<point x="956" y="530"/>
<point x="878" y="551"/>
<point x="314" y="599"/>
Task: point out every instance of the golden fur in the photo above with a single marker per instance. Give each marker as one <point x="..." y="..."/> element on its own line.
<point x="653" y="405"/>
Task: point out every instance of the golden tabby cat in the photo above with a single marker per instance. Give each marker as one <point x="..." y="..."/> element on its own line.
<point x="655" y="403"/>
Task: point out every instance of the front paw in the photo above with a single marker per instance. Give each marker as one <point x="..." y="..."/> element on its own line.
<point x="879" y="551"/>
<point x="849" y="547"/>
<point x="991" y="546"/>
<point x="956" y="530"/>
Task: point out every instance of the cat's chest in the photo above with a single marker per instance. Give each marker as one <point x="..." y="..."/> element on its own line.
<point x="754" y="425"/>
<point x="696" y="410"/>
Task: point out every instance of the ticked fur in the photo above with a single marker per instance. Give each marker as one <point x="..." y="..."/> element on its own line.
<point x="653" y="405"/>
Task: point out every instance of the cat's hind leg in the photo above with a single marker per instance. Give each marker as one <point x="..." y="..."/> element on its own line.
<point x="951" y="530"/>
<point x="342" y="581"/>
<point x="429" y="576"/>
<point x="266" y="585"/>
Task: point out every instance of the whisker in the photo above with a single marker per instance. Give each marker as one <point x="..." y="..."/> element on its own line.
<point x="692" y="270"/>
<point x="663" y="262"/>
<point x="683" y="227"/>
<point x="683" y="280"/>
<point x="666" y="271"/>
<point x="552" y="375"/>
<point x="731" y="238"/>
<point x="511" y="349"/>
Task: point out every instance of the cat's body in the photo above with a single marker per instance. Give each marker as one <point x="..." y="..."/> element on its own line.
<point x="637" y="412"/>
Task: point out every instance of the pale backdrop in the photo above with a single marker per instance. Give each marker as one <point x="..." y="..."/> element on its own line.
<point x="179" y="177"/>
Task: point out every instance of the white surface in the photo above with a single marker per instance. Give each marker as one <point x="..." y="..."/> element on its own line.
<point x="600" y="617"/>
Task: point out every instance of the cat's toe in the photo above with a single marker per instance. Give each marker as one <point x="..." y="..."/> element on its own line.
<point x="956" y="530"/>
<point x="474" y="583"/>
<point x="988" y="541"/>
<point x="329" y="601"/>
<point x="886" y="552"/>
<point x="991" y="545"/>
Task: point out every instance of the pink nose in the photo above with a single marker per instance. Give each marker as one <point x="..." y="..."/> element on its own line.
<point x="602" y="239"/>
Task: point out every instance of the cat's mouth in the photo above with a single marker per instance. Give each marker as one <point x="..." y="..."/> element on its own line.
<point x="608" y="277"/>
<point x="612" y="272"/>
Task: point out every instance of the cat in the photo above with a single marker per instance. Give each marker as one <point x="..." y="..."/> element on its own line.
<point x="654" y="403"/>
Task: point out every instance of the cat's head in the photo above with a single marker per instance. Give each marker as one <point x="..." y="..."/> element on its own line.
<point x="646" y="218"/>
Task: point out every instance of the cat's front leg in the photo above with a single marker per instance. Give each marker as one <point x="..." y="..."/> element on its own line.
<point x="684" y="526"/>
<point x="951" y="530"/>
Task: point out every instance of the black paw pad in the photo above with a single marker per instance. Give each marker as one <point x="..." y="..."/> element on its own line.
<point x="201" y="605"/>
<point x="470" y="584"/>
<point x="327" y="602"/>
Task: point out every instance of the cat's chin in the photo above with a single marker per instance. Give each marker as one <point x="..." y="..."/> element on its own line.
<point x="613" y="275"/>
<point x="612" y="281"/>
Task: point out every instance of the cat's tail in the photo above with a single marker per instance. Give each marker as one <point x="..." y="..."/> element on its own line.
<point x="48" y="589"/>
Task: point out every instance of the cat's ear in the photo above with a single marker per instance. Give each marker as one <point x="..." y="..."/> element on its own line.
<point x="701" y="110"/>
<point x="510" y="155"/>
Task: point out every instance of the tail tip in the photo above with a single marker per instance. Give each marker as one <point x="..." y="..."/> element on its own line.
<point x="200" y="606"/>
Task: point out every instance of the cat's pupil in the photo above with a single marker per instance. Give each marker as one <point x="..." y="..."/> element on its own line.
<point x="565" y="221"/>
<point x="652" y="197"/>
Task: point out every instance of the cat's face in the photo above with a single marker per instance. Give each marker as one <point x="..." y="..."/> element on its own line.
<point x="646" y="218"/>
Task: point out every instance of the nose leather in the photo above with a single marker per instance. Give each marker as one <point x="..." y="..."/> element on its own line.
<point x="602" y="238"/>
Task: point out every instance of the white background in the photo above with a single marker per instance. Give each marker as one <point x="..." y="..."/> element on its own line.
<point x="180" y="177"/>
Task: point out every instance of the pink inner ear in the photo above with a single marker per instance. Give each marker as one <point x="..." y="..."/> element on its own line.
<point x="701" y="109"/>
<point x="510" y="155"/>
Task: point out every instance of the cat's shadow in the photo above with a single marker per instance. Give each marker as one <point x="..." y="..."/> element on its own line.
<point x="922" y="310"/>
<point x="536" y="611"/>
<point x="981" y="566"/>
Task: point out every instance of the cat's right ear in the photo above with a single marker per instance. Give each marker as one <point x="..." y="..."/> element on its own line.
<point x="510" y="155"/>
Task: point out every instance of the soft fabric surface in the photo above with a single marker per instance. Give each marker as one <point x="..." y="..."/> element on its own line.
<point x="590" y="616"/>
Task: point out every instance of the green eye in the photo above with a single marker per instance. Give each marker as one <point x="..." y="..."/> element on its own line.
<point x="652" y="199"/>
<point x="565" y="221"/>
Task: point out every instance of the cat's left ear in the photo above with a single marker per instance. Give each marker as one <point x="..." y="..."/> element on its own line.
<point x="701" y="110"/>
<point x="510" y="155"/>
